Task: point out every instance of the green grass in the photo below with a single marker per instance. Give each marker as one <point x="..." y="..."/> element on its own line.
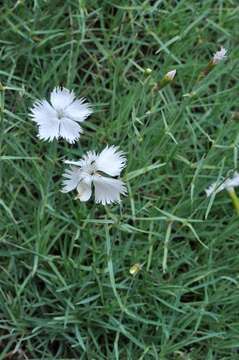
<point x="65" y="287"/>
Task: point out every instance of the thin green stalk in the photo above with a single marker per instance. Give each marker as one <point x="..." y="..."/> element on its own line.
<point x="150" y="255"/>
<point x="206" y="71"/>
<point x="165" y="253"/>
<point x="2" y="97"/>
<point x="234" y="199"/>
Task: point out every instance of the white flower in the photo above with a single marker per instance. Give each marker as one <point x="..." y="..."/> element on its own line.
<point x="60" y="117"/>
<point x="219" y="56"/>
<point x="96" y="169"/>
<point x="170" y="75"/>
<point x="227" y="184"/>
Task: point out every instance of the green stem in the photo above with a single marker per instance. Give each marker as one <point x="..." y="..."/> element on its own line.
<point x="49" y="171"/>
<point x="164" y="82"/>
<point x="206" y="71"/>
<point x="165" y="251"/>
<point x="234" y="199"/>
<point x="2" y="91"/>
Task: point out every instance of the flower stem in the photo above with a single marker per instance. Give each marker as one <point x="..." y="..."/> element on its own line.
<point x="2" y="93"/>
<point x="234" y="199"/>
<point x="47" y="185"/>
<point x="165" y="251"/>
<point x="164" y="82"/>
<point x="206" y="71"/>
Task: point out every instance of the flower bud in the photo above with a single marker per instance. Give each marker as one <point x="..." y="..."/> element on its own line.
<point x="170" y="75"/>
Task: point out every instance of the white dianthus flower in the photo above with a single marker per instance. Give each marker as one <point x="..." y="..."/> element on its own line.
<point x="226" y="184"/>
<point x="60" y="117"/>
<point x="219" y="56"/>
<point x="97" y="169"/>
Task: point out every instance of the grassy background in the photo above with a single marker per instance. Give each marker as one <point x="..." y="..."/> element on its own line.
<point x="66" y="291"/>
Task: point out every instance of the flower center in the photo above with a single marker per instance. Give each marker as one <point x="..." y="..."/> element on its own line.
<point x="92" y="168"/>
<point x="60" y="114"/>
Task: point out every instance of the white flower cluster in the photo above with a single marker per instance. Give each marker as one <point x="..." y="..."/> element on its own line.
<point x="60" y="118"/>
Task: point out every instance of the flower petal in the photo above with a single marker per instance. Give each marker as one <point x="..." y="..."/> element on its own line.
<point x="70" y="130"/>
<point x="61" y="98"/>
<point x="215" y="188"/>
<point x="49" y="129"/>
<point x="84" y="191"/>
<point x="75" y="163"/>
<point x="232" y="181"/>
<point x="228" y="183"/>
<point x="71" y="180"/>
<point x="108" y="190"/>
<point x="111" y="161"/>
<point x="78" y="110"/>
<point x="42" y="111"/>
